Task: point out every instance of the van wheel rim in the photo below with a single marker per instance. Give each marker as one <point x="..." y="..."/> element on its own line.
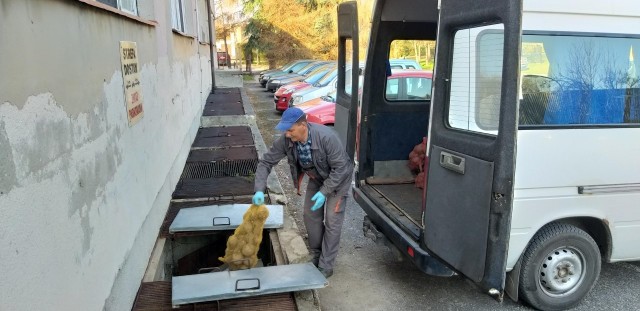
<point x="561" y="271"/>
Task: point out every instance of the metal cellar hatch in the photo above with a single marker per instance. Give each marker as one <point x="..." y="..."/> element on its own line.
<point x="221" y="217"/>
<point x="189" y="254"/>
<point x="226" y="284"/>
<point x="156" y="296"/>
<point x="245" y="283"/>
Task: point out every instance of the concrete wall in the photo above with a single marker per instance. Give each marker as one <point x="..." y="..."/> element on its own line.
<point x="82" y="193"/>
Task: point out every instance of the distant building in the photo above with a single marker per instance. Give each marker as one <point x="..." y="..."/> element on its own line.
<point x="230" y="22"/>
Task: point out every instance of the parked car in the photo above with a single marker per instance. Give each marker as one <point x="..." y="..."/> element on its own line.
<point x="282" y="97"/>
<point x="277" y="81"/>
<point x="324" y="86"/>
<point x="294" y="67"/>
<point x="223" y="59"/>
<point x="409" y="85"/>
<point x="401" y="85"/>
<point x="285" y="67"/>
<point x="397" y="63"/>
<point x="321" y="110"/>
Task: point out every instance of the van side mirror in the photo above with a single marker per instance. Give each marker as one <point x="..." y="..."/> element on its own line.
<point x="290" y="71"/>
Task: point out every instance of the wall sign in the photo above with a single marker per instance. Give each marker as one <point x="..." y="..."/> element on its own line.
<point x="131" y="79"/>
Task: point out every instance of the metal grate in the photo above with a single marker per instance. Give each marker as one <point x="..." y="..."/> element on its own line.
<point x="213" y="187"/>
<point x="156" y="296"/>
<point x="224" y="102"/>
<point x="222" y="137"/>
<point x="241" y="161"/>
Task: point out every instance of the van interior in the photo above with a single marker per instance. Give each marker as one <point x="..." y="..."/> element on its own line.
<point x="390" y="129"/>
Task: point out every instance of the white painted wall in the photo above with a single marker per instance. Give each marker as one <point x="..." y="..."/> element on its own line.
<point x="83" y="194"/>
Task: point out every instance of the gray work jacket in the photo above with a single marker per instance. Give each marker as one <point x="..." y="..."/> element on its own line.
<point x="329" y="158"/>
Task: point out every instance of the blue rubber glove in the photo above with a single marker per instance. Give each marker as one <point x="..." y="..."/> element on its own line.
<point x="319" y="199"/>
<point x="258" y="198"/>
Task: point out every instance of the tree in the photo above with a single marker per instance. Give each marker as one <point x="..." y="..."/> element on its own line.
<point x="283" y="30"/>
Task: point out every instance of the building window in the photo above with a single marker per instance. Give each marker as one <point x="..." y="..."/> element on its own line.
<point x="129" y="6"/>
<point x="177" y="15"/>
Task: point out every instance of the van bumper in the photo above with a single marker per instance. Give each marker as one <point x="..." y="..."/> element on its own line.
<point x="400" y="239"/>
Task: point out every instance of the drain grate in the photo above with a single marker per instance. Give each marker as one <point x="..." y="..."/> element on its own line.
<point x="222" y="137"/>
<point x="225" y="102"/>
<point x="241" y="161"/>
<point x="156" y="296"/>
<point x="214" y="187"/>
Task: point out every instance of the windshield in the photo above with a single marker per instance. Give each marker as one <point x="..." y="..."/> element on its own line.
<point x="327" y="78"/>
<point x="287" y="66"/>
<point x="297" y="67"/>
<point x="315" y="75"/>
<point x="310" y="67"/>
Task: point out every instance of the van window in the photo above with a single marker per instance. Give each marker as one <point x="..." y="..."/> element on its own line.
<point x="408" y="79"/>
<point x="476" y="79"/>
<point x="575" y="80"/>
<point x="412" y="54"/>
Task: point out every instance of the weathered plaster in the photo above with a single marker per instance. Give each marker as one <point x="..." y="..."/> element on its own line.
<point x="65" y="33"/>
<point x="7" y="168"/>
<point x="83" y="193"/>
<point x="84" y="185"/>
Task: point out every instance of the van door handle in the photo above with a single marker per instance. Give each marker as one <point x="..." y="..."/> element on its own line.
<point x="452" y="162"/>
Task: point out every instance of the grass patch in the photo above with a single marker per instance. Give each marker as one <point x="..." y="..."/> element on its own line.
<point x="248" y="77"/>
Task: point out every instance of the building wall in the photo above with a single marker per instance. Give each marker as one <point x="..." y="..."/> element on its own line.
<point x="83" y="193"/>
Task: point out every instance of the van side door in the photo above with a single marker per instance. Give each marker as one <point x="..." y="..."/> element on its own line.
<point x="472" y="138"/>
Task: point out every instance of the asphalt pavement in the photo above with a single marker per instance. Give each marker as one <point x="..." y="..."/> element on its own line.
<point x="368" y="276"/>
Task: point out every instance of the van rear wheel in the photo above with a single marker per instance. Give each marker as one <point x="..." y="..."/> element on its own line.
<point x="559" y="267"/>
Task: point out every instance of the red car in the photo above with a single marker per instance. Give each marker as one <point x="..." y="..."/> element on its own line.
<point x="405" y="85"/>
<point x="282" y="97"/>
<point x="322" y="113"/>
<point x="222" y="59"/>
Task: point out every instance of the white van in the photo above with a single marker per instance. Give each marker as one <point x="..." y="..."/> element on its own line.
<point x="556" y="79"/>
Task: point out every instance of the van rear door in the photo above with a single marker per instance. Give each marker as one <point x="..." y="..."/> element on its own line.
<point x="472" y="138"/>
<point x="347" y="86"/>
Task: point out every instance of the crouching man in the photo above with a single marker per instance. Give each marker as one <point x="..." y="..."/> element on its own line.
<point x="316" y="151"/>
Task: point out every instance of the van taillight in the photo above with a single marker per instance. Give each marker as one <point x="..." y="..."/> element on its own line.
<point x="410" y="251"/>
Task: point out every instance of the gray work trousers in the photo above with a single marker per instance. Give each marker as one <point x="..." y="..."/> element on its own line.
<point x="324" y="225"/>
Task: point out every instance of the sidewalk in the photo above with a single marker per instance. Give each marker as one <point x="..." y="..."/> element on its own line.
<point x="292" y="243"/>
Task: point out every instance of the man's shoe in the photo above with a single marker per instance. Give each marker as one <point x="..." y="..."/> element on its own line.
<point x="326" y="272"/>
<point x="315" y="261"/>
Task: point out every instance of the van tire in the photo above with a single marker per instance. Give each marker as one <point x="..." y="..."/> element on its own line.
<point x="573" y="257"/>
